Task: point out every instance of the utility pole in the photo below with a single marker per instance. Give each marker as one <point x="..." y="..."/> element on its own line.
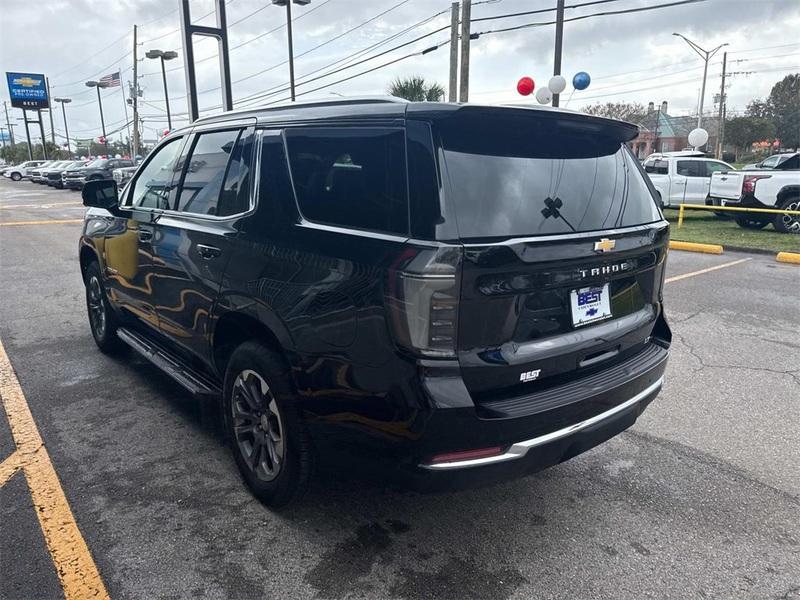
<point x="559" y="43"/>
<point x="41" y="131"/>
<point x="452" y="91"/>
<point x="706" y="56"/>
<point x="8" y="122"/>
<point x="721" y="121"/>
<point x="28" y="134"/>
<point x="466" y="10"/>
<point x="134" y="94"/>
<point x="50" y="111"/>
<point x="291" y="47"/>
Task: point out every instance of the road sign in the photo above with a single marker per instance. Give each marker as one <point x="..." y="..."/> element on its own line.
<point x="27" y="90"/>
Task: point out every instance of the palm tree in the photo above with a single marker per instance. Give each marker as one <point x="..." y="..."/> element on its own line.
<point x="416" y="89"/>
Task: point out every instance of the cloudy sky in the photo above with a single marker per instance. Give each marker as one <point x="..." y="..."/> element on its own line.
<point x="631" y="57"/>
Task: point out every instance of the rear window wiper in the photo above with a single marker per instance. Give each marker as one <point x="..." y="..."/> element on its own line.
<point x="551" y="209"/>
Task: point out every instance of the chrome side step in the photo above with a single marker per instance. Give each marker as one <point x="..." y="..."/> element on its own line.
<point x="196" y="383"/>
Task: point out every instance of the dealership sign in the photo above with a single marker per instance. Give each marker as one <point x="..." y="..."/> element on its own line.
<point x="27" y="90"/>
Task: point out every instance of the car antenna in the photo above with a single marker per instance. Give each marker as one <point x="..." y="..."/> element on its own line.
<point x="551" y="210"/>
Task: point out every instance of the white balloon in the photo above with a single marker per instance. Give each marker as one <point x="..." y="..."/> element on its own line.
<point x="557" y="84"/>
<point x="698" y="137"/>
<point x="543" y="95"/>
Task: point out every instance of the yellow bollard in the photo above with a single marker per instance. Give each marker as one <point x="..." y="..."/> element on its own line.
<point x="680" y="216"/>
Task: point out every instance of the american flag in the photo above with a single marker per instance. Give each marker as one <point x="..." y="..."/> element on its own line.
<point x="110" y="80"/>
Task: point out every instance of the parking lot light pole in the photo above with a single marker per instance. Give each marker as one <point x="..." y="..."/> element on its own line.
<point x="64" y="101"/>
<point x="706" y="56"/>
<point x="288" y="5"/>
<point x="98" y="85"/>
<point x="164" y="56"/>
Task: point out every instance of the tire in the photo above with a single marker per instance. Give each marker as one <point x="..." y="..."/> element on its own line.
<point x="788" y="223"/>
<point x="103" y="321"/>
<point x="269" y="441"/>
<point x="750" y="222"/>
<point x="718" y="213"/>
<point x="16" y="176"/>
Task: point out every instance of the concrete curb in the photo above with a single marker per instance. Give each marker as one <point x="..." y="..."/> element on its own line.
<point x="693" y="247"/>
<point x="788" y="257"/>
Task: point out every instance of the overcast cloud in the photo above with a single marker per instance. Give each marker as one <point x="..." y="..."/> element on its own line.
<point x="631" y="57"/>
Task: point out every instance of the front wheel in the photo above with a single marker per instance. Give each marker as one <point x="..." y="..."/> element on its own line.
<point x="102" y="319"/>
<point x="269" y="441"/>
<point x="788" y="223"/>
<point x="750" y="222"/>
<point x="16" y="176"/>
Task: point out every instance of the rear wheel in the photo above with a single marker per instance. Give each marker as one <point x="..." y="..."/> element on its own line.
<point x="712" y="202"/>
<point x="102" y="319"/>
<point x="268" y="439"/>
<point x="16" y="176"/>
<point x="750" y="222"/>
<point x="788" y="223"/>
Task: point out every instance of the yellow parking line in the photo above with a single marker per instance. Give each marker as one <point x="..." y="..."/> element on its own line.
<point x="44" y="222"/>
<point x="73" y="561"/>
<point x="708" y="270"/>
<point x="9" y="466"/>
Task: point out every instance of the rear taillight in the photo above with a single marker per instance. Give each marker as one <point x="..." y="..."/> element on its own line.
<point x="749" y="185"/>
<point x="422" y="295"/>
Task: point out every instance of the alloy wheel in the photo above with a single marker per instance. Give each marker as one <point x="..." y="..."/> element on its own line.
<point x="97" y="308"/>
<point x="792" y="222"/>
<point x="257" y="425"/>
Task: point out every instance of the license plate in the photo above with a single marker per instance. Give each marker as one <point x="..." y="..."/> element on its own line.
<point x="590" y="304"/>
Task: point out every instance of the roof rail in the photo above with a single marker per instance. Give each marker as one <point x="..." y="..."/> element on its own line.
<point x="344" y="100"/>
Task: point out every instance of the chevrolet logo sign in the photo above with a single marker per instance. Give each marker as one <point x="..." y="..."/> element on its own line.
<point x="27" y="81"/>
<point x="604" y="245"/>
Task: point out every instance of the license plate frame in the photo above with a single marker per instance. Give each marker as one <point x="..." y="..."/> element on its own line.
<point x="590" y="304"/>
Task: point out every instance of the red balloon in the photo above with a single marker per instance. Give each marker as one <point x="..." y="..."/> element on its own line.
<point x="525" y="86"/>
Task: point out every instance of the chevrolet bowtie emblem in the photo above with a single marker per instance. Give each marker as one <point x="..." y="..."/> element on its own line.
<point x="604" y="245"/>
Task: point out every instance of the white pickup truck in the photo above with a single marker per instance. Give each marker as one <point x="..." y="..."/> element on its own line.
<point x="682" y="177"/>
<point x="778" y="187"/>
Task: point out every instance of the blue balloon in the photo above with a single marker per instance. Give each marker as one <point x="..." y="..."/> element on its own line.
<point x="581" y="80"/>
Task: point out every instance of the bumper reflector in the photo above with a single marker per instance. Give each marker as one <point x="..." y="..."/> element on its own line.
<point x="467" y="455"/>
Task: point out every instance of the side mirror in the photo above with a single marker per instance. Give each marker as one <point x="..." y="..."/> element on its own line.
<point x="101" y="193"/>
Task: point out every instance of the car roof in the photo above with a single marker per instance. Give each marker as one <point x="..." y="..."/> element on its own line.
<point x="389" y="107"/>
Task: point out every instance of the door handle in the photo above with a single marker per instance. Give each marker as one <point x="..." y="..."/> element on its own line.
<point x="145" y="235"/>
<point x="208" y="252"/>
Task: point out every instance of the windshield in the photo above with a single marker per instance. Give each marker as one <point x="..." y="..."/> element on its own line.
<point x="98" y="163"/>
<point x="545" y="186"/>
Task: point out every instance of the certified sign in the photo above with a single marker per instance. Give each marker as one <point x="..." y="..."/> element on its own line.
<point x="27" y="90"/>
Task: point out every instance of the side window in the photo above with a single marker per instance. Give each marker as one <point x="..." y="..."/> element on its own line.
<point x="658" y="167"/>
<point x="353" y="177"/>
<point x="685" y="168"/>
<point x="770" y="163"/>
<point x="713" y="167"/>
<point x="151" y="189"/>
<point x="205" y="171"/>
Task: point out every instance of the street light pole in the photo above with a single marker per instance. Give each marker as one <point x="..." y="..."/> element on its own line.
<point x="63" y="102"/>
<point x="706" y="56"/>
<point x="98" y="85"/>
<point x="288" y="5"/>
<point x="164" y="56"/>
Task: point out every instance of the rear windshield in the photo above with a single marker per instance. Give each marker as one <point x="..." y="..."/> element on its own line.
<point x="543" y="182"/>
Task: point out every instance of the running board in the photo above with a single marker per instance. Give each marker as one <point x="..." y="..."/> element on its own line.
<point x="198" y="384"/>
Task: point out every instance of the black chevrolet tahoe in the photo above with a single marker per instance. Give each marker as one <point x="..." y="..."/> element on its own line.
<point x="464" y="293"/>
<point x="98" y="169"/>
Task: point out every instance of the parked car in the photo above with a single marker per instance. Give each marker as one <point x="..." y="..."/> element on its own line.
<point x="682" y="177"/>
<point x="20" y="171"/>
<point x="44" y="171"/>
<point x="770" y="162"/>
<point x="100" y="168"/>
<point x="35" y="174"/>
<point x="467" y="292"/>
<point x="123" y="175"/>
<point x="777" y="189"/>
<point x="54" y="174"/>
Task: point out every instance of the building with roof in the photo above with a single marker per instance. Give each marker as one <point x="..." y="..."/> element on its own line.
<point x="661" y="132"/>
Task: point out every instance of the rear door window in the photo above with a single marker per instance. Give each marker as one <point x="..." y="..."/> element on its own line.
<point x="506" y="184"/>
<point x="352" y="177"/>
<point x="205" y="171"/>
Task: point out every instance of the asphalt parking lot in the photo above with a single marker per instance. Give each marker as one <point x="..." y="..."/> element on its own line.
<point x="700" y="499"/>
